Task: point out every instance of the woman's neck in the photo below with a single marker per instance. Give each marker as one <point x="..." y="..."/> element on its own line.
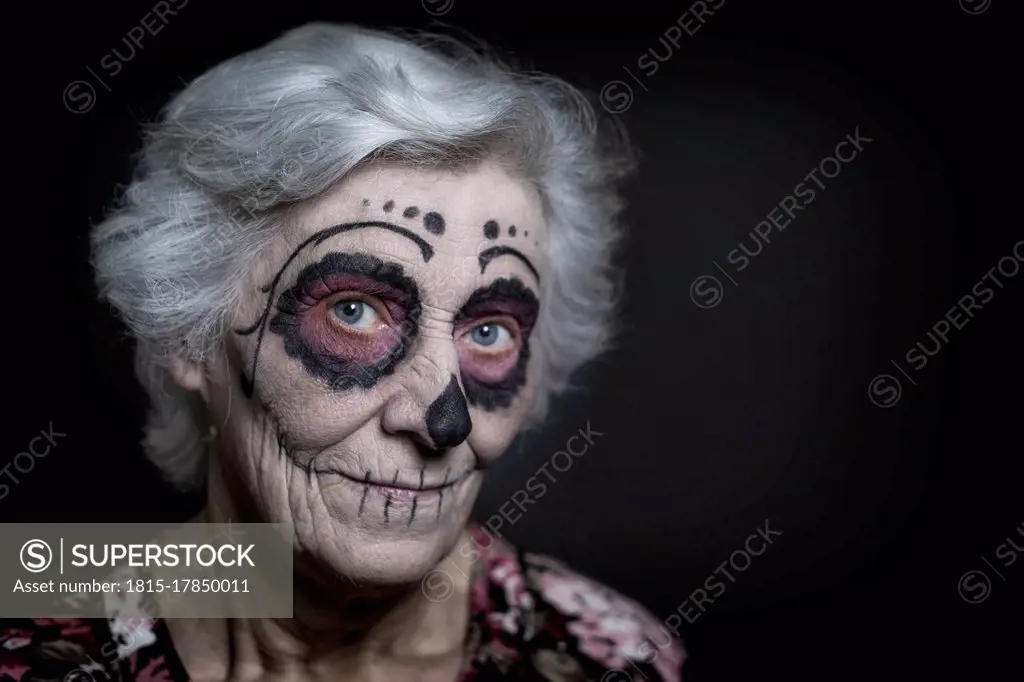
<point x="337" y="624"/>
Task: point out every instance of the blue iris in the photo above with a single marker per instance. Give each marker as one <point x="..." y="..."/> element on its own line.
<point x="350" y="312"/>
<point x="485" y="334"/>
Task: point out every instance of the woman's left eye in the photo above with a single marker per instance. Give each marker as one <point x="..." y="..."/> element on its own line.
<point x="355" y="313"/>
<point x="491" y="336"/>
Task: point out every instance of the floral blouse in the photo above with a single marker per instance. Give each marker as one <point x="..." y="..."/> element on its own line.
<point x="531" y="619"/>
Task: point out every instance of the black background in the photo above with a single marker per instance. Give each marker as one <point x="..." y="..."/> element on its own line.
<point x="714" y="419"/>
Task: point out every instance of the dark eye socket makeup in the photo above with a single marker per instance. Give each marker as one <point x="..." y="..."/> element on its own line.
<point x="394" y="299"/>
<point x="334" y="349"/>
<point x="350" y="318"/>
<point x="493" y="377"/>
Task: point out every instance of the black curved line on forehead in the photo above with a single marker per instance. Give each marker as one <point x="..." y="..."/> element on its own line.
<point x="426" y="250"/>
<point x="496" y="251"/>
<point x="318" y="238"/>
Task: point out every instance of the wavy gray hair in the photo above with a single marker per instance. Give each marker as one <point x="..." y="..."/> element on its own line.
<point x="235" y="151"/>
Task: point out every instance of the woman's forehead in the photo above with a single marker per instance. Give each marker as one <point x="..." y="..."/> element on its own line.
<point x="468" y="206"/>
<point x="438" y="225"/>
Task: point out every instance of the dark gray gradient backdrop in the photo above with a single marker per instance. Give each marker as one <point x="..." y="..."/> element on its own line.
<point x="714" y="420"/>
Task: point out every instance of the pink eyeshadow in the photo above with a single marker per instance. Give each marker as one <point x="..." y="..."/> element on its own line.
<point x="316" y="290"/>
<point x="327" y="339"/>
<point x="488" y="369"/>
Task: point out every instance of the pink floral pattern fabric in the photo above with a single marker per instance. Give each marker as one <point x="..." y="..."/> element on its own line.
<point x="532" y="618"/>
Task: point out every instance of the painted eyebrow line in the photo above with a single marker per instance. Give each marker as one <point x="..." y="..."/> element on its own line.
<point x="470" y="303"/>
<point x="248" y="382"/>
<point x="496" y="251"/>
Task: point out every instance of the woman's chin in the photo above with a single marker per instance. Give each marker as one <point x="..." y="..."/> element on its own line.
<point x="384" y="558"/>
<point x="396" y="567"/>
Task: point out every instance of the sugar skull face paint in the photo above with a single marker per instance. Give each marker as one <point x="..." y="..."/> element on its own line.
<point x="382" y="347"/>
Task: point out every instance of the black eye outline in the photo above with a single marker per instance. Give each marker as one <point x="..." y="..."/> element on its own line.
<point x="491" y="396"/>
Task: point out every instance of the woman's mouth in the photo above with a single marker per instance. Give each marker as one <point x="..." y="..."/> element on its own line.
<point x="400" y="491"/>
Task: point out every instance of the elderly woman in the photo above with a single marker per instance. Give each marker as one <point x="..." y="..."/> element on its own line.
<point x="356" y="266"/>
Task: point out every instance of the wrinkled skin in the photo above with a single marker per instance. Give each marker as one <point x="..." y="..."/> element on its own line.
<point x="378" y="469"/>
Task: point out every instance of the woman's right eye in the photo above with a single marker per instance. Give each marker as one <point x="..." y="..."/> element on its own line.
<point x="355" y="313"/>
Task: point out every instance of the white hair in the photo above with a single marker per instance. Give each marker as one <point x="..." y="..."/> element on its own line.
<point x="247" y="140"/>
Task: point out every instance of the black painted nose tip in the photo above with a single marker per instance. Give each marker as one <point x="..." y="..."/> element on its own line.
<point x="447" y="417"/>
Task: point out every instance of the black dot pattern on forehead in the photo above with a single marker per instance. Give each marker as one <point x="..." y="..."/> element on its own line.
<point x="491" y="229"/>
<point x="433" y="223"/>
<point x="511" y="230"/>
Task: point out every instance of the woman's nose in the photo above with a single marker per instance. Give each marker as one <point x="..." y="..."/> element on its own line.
<point x="447" y="418"/>
<point x="432" y="407"/>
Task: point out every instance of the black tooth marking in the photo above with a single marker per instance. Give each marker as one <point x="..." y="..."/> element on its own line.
<point x="280" y="435"/>
<point x="395" y="479"/>
<point x="440" y="493"/>
<point x="412" y="513"/>
<point x="387" y="505"/>
<point x="366" y="489"/>
<point x="421" y="475"/>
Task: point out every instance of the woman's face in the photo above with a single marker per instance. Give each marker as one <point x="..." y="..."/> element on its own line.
<point x="378" y="362"/>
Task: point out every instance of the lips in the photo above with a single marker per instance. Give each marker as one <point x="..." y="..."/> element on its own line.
<point x="410" y="488"/>
<point x="398" y="490"/>
<point x="403" y="494"/>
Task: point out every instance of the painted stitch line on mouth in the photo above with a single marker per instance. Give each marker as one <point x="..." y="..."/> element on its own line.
<point x="366" y="489"/>
<point x="440" y="498"/>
